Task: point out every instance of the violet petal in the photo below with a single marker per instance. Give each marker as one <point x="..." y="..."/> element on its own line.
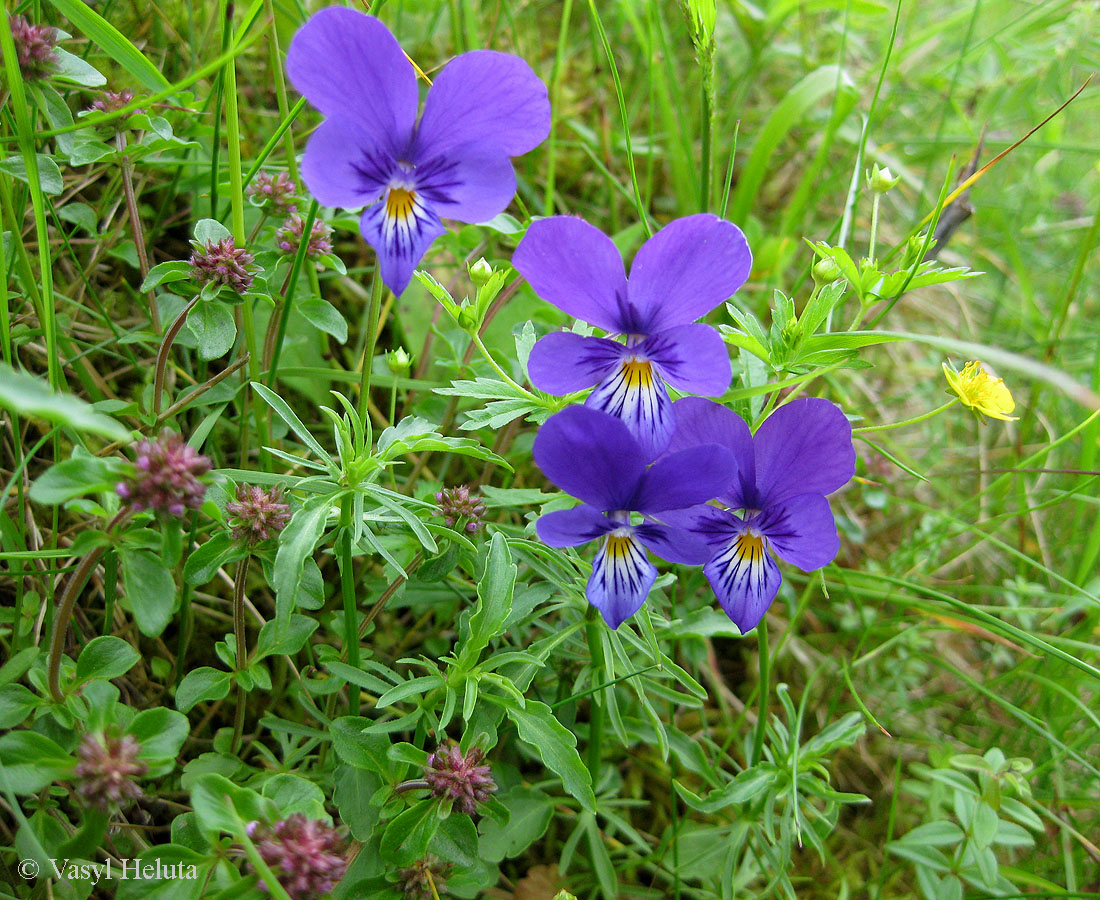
<point x="576" y="267"/>
<point x="686" y="269"/>
<point x="484" y="97"/>
<point x="563" y="362"/>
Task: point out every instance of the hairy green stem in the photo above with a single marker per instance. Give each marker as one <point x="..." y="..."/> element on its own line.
<point x="765" y="675"/>
<point x="239" y="632"/>
<point x="598" y="667"/>
<point x="347" y="591"/>
<point x="903" y="423"/>
<point x="162" y="354"/>
<point x="376" y="290"/>
<point x="555" y="97"/>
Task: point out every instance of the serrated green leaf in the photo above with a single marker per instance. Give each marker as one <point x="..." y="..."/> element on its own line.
<point x="556" y="746"/>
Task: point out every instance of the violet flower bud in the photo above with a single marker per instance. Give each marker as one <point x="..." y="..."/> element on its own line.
<point x="307" y="856"/>
<point x="460" y="779"/>
<point x="276" y="193"/>
<point x="166" y="476"/>
<point x="106" y="770"/>
<point x="258" y="513"/>
<point x="288" y="237"/>
<point x="34" y="47"/>
<point x="223" y="263"/>
<point x="458" y="503"/>
<point x="112" y="101"/>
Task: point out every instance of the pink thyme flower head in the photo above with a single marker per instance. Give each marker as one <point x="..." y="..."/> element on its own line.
<point x="112" y="101"/>
<point x="166" y="476"/>
<point x="274" y="192"/>
<point x="288" y="236"/>
<point x="416" y="880"/>
<point x="461" y="779"/>
<point x="223" y="262"/>
<point x="308" y="856"/>
<point x="106" y="770"/>
<point x="258" y="513"/>
<point x="459" y="503"/>
<point x="34" y="47"/>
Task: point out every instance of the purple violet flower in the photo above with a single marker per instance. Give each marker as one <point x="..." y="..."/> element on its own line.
<point x="680" y="274"/>
<point x="593" y="456"/>
<point x="802" y="452"/>
<point x="483" y="108"/>
<point x="35" y="47"/>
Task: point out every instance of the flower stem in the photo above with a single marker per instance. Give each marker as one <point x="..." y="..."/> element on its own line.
<point x="765" y="675"/>
<point x="874" y="227"/>
<point x="283" y="311"/>
<point x="135" y="224"/>
<point x="242" y="649"/>
<point x="347" y="590"/>
<point x="496" y="367"/>
<point x="555" y="95"/>
<point x="162" y="354"/>
<point x="376" y="289"/>
<point x="913" y="421"/>
<point x="64" y="613"/>
<point x="598" y="667"/>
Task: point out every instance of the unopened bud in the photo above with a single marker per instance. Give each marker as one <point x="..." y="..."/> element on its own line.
<point x="826" y="271"/>
<point x="398" y="361"/>
<point x="481" y="272"/>
<point x="883" y="180"/>
<point x="467" y="319"/>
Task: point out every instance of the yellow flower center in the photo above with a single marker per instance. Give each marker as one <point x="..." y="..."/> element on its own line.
<point x="980" y="391"/>
<point x="750" y="547"/>
<point x="638" y="373"/>
<point x="400" y="203"/>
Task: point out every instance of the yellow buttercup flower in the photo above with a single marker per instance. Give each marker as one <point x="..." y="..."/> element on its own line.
<point x="979" y="390"/>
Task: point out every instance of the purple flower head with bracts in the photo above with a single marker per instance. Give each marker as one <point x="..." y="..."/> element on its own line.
<point x="680" y="274"/>
<point x="594" y="457"/>
<point x="802" y="452"/>
<point x="484" y="108"/>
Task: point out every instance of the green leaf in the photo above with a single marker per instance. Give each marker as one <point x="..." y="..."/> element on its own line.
<point x="48" y="173"/>
<point x="358" y="748"/>
<point x="494" y="599"/>
<point x="150" y="589"/>
<point x="173" y="270"/>
<point x="105" y="657"/>
<point x="29" y="761"/>
<point x="204" y="562"/>
<point x="90" y="151"/>
<point x="222" y="806"/>
<point x="211" y="322"/>
<point x="210" y="231"/>
<point x="75" y="477"/>
<point x="406" y="838"/>
<point x="160" y="731"/>
<point x="112" y="42"/>
<point x="555" y="744"/>
<point x="410" y="688"/>
<point x="325" y="316"/>
<point x="32" y="397"/>
<point x="82" y="215"/>
<point x="934" y="834"/>
<point x="297" y="632"/>
<point x="16" y="704"/>
<point x="530" y="812"/>
<point x="293" y="794"/>
<point x="203" y="683"/>
<point x="78" y="71"/>
<point x="285" y="413"/>
<point x="296" y="543"/>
